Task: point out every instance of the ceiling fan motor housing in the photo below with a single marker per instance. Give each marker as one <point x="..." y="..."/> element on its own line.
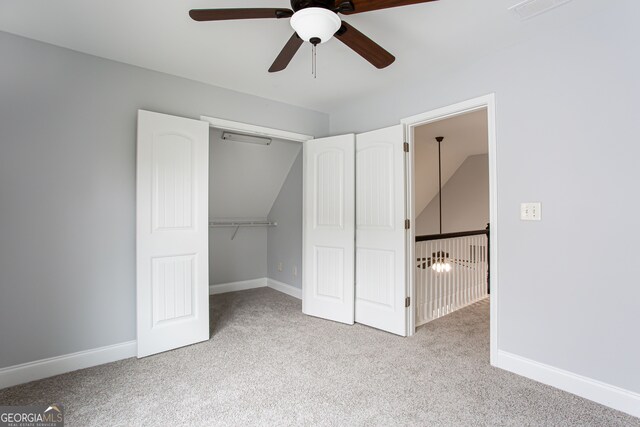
<point x="334" y="5"/>
<point x="297" y="5"/>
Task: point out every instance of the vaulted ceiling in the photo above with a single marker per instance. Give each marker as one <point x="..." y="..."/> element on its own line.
<point x="427" y="40"/>
<point x="465" y="135"/>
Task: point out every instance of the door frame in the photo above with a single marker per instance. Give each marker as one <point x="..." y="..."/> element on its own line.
<point x="410" y="123"/>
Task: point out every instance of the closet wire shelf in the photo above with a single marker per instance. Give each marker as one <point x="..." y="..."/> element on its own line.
<point x="242" y="223"/>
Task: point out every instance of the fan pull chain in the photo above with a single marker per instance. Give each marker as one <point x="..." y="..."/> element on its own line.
<point x="314" y="42"/>
<point x="314" y="69"/>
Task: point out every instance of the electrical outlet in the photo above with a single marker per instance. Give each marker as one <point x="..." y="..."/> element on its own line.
<point x="295" y="271"/>
<point x="530" y="211"/>
<point x="279" y="266"/>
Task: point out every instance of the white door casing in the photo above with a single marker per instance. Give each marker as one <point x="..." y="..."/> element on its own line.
<point x="171" y="232"/>
<point x="380" y="230"/>
<point x="328" y="228"/>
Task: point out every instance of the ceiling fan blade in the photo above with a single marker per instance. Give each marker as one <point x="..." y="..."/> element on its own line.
<point x="226" y="14"/>
<point x="364" y="46"/>
<point x="360" y="6"/>
<point x="286" y="54"/>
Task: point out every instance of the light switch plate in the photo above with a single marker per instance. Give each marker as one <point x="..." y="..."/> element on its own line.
<point x="531" y="211"/>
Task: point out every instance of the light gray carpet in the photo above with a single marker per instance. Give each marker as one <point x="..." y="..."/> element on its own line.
<point x="268" y="364"/>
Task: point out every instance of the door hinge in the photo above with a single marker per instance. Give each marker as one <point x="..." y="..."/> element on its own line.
<point x="407" y="224"/>
<point x="406" y="147"/>
<point x="407" y="301"/>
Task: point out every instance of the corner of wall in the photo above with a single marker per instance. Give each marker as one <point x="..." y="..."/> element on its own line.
<point x="284" y="242"/>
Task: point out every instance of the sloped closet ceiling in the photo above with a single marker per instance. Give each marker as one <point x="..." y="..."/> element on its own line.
<point x="245" y="179"/>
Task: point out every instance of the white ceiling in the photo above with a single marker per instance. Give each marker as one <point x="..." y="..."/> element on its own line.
<point x="245" y="179"/>
<point x="427" y="39"/>
<point x="464" y="136"/>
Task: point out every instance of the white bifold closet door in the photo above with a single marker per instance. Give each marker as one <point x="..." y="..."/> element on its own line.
<point x="171" y="232"/>
<point x="329" y="228"/>
<point x="380" y="230"/>
<point x="368" y="223"/>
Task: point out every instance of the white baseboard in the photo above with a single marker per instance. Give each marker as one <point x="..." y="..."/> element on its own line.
<point x="285" y="288"/>
<point x="223" y="288"/>
<point x="44" y="368"/>
<point x="603" y="393"/>
<point x="255" y="283"/>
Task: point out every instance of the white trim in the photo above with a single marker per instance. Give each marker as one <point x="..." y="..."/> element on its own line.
<point x="232" y="126"/>
<point x="285" y="288"/>
<point x="410" y="197"/>
<point x="223" y="288"/>
<point x="304" y="219"/>
<point x="57" y="365"/>
<point x="488" y="102"/>
<point x="450" y="111"/>
<point x="598" y="391"/>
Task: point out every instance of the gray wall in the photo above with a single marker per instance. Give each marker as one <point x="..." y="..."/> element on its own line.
<point x="567" y="131"/>
<point x="284" y="242"/>
<point x="67" y="189"/>
<point x="243" y="258"/>
<point x="465" y="200"/>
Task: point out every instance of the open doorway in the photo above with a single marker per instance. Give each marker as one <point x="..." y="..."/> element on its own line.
<point x="452" y="214"/>
<point x="452" y="244"/>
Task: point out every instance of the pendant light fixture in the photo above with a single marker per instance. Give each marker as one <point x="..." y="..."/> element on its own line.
<point x="440" y="262"/>
<point x="440" y="259"/>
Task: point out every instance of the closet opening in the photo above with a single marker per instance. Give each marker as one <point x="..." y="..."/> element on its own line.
<point x="255" y="213"/>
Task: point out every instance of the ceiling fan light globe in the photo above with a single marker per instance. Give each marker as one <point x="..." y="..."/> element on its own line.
<point x="315" y="22"/>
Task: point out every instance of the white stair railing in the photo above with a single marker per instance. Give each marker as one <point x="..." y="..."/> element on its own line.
<point x="452" y="272"/>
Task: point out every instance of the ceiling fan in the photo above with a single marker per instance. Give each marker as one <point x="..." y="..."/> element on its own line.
<point x="316" y="21"/>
